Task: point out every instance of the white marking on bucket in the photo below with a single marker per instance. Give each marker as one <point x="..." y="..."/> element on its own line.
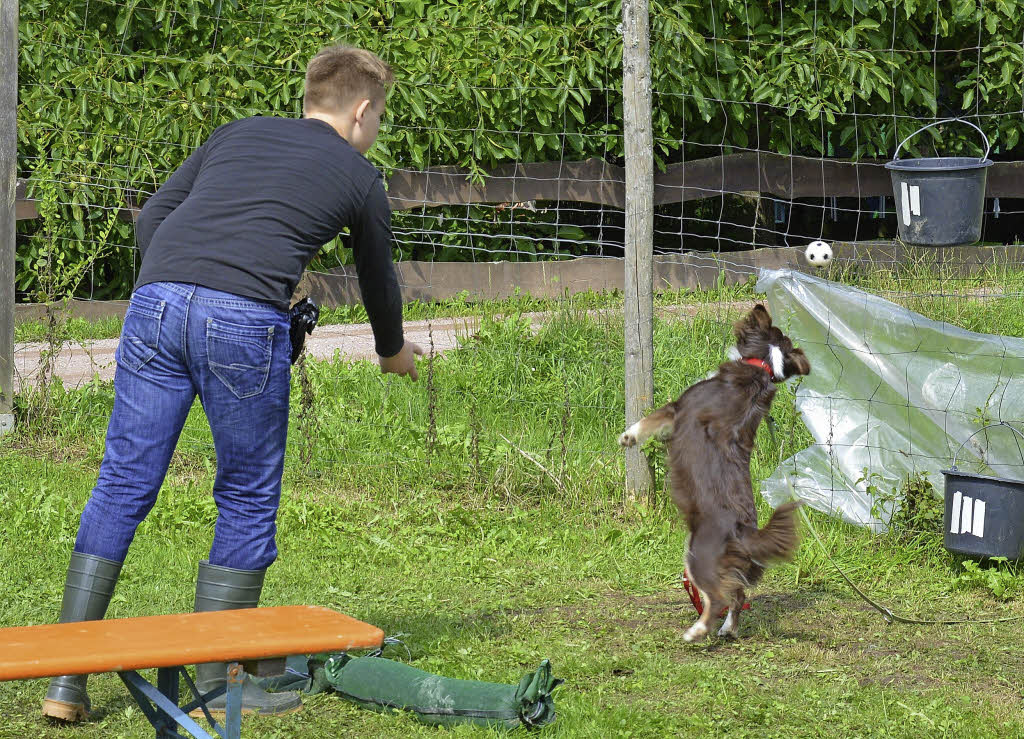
<point x="905" y="204"/>
<point x="915" y="200"/>
<point x="967" y="515"/>
<point x="979" y="518"/>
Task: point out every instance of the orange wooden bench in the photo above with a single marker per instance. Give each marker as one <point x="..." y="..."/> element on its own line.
<point x="257" y="640"/>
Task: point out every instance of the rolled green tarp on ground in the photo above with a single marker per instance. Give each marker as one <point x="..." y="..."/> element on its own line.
<point x="303" y="674"/>
<point x="381" y="685"/>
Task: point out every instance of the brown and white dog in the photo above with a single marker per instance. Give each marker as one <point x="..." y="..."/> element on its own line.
<point x="711" y="430"/>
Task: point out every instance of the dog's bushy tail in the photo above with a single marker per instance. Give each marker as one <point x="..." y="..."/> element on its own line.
<point x="778" y="540"/>
<point x="746" y="557"/>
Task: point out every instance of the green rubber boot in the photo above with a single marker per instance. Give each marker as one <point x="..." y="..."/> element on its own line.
<point x="222" y="589"/>
<point x="87" y="591"/>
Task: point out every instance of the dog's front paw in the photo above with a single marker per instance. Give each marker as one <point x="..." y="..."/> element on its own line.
<point x="631" y="436"/>
<point x="696" y="632"/>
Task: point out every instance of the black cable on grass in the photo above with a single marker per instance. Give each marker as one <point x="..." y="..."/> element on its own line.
<point x="887" y="613"/>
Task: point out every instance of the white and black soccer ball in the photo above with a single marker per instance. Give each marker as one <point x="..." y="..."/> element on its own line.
<point x="818" y="253"/>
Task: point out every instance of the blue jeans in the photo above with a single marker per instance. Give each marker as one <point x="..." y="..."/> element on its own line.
<point x="179" y="341"/>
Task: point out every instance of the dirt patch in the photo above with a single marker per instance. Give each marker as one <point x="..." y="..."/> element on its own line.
<point x="50" y="449"/>
<point x="904" y="680"/>
<point x="788" y="636"/>
<point x="621" y="615"/>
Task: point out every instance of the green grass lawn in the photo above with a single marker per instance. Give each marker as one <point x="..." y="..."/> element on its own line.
<point x="480" y="515"/>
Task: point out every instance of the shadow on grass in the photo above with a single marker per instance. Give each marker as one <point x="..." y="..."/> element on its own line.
<point x="772" y="617"/>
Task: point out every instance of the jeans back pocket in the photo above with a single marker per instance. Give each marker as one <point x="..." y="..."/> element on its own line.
<point x="140" y="337"/>
<point x="239" y="355"/>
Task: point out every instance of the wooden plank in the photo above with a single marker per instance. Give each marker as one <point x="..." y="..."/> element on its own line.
<point x="773" y="174"/>
<point x="434" y="281"/>
<point x="114" y="645"/>
<point x="1005" y="180"/>
<point x="25" y="210"/>
<point x="598" y="182"/>
<point x="592" y="180"/>
<point x="89" y="310"/>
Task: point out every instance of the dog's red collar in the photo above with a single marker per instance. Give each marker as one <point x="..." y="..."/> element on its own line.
<point x="762" y="364"/>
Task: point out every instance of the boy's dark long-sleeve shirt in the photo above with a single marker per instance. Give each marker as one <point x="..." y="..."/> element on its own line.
<point x="251" y="207"/>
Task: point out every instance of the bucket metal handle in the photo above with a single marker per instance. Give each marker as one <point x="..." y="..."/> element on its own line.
<point x="991" y="425"/>
<point x="937" y="123"/>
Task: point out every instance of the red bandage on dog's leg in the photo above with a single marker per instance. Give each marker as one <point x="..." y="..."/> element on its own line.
<point x="695" y="598"/>
<point x="746" y="607"/>
<point x="694" y="594"/>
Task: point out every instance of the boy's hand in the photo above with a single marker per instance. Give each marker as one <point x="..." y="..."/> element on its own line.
<point x="404" y="362"/>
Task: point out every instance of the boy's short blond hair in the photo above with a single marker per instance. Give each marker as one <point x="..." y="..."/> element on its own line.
<point x="339" y="76"/>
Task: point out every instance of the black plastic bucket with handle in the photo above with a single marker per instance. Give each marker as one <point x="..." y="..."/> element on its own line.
<point x="939" y="200"/>
<point x="984" y="515"/>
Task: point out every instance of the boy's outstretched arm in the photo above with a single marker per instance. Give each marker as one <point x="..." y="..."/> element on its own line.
<point x="378" y="284"/>
<point x="404" y="362"/>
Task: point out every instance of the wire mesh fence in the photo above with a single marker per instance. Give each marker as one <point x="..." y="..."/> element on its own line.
<point x="504" y="142"/>
<point x="115" y="95"/>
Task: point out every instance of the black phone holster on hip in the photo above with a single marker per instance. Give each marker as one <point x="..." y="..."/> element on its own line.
<point x="302" y="319"/>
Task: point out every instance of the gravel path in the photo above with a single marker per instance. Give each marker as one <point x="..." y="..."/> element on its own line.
<point x="79" y="362"/>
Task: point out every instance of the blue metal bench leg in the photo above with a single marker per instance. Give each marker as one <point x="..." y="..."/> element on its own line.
<point x="159" y="703"/>
<point x="233" y="709"/>
<point x="163" y="712"/>
<point x="167" y="684"/>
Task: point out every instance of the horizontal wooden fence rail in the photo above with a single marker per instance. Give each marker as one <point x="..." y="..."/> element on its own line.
<point x="432" y="281"/>
<point x="598" y="182"/>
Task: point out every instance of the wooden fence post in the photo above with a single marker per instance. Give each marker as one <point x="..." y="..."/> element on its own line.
<point x="639" y="283"/>
<point x="8" y="169"/>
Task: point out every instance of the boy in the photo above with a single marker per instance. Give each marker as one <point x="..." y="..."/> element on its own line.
<point x="224" y="242"/>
